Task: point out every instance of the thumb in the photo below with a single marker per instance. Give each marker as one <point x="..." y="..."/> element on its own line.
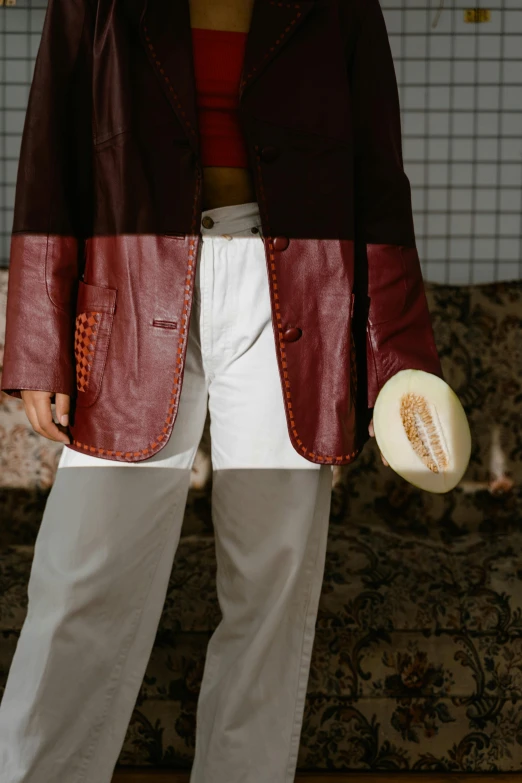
<point x="62" y="407"/>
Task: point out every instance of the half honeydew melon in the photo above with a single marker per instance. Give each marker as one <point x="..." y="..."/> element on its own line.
<point x="422" y="430"/>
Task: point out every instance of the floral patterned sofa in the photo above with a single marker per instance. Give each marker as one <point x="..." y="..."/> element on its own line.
<point x="417" y="662"/>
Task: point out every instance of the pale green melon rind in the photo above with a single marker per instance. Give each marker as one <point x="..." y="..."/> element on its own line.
<point x="394" y="444"/>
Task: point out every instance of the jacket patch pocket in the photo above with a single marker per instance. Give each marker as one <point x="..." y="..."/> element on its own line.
<point x="94" y="318"/>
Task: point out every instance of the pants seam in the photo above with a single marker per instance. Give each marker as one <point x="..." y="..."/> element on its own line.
<point x="304" y="666"/>
<point x="84" y="767"/>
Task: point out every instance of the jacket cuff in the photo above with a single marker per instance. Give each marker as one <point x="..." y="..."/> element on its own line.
<point x="399" y="334"/>
<point x="39" y="327"/>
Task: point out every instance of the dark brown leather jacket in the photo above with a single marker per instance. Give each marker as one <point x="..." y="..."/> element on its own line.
<point x="108" y="207"/>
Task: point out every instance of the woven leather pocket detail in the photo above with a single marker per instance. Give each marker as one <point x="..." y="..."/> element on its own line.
<point x="93" y="326"/>
<point x="85" y="336"/>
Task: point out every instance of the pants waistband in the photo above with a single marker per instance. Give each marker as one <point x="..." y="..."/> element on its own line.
<point x="231" y="219"/>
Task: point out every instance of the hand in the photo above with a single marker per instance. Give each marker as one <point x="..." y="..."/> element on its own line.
<point x="372" y="435"/>
<point x="38" y="410"/>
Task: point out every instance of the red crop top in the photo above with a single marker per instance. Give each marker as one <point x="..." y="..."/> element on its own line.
<point x="218" y="60"/>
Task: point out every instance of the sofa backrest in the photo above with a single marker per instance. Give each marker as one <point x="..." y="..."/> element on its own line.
<point x="478" y="334"/>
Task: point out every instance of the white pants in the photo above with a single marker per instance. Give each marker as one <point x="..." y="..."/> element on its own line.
<point x="108" y="539"/>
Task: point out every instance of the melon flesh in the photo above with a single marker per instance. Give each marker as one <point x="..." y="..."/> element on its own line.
<point x="422" y="430"/>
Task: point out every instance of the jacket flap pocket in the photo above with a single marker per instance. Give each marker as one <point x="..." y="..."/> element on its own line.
<point x="95" y="298"/>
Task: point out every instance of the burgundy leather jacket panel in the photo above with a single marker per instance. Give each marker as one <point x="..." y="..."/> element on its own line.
<point x="108" y="208"/>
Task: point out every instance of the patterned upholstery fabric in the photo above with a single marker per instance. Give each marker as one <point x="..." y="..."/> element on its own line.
<point x="417" y="662"/>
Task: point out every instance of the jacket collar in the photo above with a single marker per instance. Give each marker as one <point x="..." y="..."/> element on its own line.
<point x="165" y="32"/>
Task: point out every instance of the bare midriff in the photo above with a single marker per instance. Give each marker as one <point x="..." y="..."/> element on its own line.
<point x="224" y="186"/>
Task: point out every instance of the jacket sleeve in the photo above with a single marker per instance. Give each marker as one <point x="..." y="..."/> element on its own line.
<point x="399" y="332"/>
<point x="53" y="203"/>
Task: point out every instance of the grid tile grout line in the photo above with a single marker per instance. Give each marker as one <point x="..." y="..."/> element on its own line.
<point x="496" y="252"/>
<point x="449" y="210"/>
<point x="461" y="121"/>
<point x="425" y="142"/>
<point x="520" y="209"/>
<point x="3" y="146"/>
<point x="473" y="238"/>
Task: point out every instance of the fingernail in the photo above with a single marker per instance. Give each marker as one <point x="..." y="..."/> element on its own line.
<point x="64" y="419"/>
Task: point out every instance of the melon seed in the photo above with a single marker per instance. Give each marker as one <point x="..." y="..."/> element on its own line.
<point x="422" y="432"/>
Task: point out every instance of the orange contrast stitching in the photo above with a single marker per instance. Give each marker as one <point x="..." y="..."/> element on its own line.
<point x="176" y="388"/>
<point x="278" y="40"/>
<point x="167" y="80"/>
<point x="327" y="458"/>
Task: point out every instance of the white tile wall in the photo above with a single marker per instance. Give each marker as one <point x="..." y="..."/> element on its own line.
<point x="461" y="102"/>
<point x="20" y="27"/>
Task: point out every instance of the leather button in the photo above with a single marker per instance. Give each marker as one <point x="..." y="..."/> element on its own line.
<point x="269" y="153"/>
<point x="281" y="243"/>
<point x="207" y="222"/>
<point x="292" y="334"/>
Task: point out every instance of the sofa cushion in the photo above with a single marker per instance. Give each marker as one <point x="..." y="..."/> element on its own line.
<point x="477" y="330"/>
<point x="417" y="661"/>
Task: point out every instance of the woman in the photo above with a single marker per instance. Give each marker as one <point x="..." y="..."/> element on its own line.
<point x="211" y="210"/>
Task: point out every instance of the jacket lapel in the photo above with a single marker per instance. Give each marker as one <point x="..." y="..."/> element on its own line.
<point x="273" y="24"/>
<point x="165" y="33"/>
<point x="167" y="37"/>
